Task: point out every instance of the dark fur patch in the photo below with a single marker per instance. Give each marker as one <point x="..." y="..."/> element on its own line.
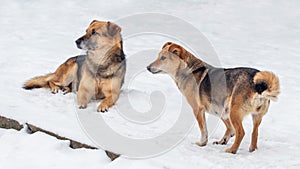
<point x="220" y="83"/>
<point x="200" y="69"/>
<point x="198" y="73"/>
<point x="260" y="87"/>
<point x="31" y="87"/>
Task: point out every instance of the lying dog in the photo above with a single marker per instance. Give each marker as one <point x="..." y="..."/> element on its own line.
<point x="228" y="93"/>
<point x="97" y="75"/>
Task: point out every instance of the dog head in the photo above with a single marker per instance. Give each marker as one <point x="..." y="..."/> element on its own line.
<point x="171" y="58"/>
<point x="98" y="35"/>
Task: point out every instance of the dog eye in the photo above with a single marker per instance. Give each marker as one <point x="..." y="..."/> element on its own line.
<point x="162" y="58"/>
<point x="93" y="31"/>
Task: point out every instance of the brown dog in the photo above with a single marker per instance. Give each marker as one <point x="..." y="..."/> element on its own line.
<point x="97" y="75"/>
<point x="228" y="93"/>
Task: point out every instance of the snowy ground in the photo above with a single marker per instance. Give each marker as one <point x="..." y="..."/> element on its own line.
<point x="37" y="36"/>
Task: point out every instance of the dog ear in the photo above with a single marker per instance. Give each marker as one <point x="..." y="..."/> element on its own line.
<point x="166" y="44"/>
<point x="178" y="50"/>
<point x="113" y="29"/>
<point x="93" y="21"/>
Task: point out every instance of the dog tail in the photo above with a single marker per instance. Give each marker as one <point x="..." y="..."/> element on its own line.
<point x="267" y="85"/>
<point x="38" y="82"/>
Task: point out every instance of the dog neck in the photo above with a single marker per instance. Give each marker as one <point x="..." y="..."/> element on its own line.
<point x="192" y="68"/>
<point x="194" y="63"/>
<point x="102" y="51"/>
<point x="181" y="76"/>
<point x="97" y="59"/>
<point x="187" y="85"/>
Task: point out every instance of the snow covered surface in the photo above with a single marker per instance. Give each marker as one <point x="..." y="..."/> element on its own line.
<point x="37" y="36"/>
<point x="21" y="150"/>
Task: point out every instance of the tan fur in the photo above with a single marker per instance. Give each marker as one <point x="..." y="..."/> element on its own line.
<point x="60" y="79"/>
<point x="234" y="98"/>
<point x="273" y="81"/>
<point x="98" y="75"/>
<point x="40" y="81"/>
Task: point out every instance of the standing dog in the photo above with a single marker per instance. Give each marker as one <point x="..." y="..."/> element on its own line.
<point x="97" y="75"/>
<point x="228" y="93"/>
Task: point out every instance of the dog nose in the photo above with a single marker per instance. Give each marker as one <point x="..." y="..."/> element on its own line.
<point x="149" y="68"/>
<point x="78" y="41"/>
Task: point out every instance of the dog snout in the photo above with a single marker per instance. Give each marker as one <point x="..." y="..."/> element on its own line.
<point x="153" y="70"/>
<point x="78" y="42"/>
<point x="149" y="68"/>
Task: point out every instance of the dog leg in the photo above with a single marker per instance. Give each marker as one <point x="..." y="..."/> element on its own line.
<point x="86" y="91"/>
<point x="236" y="118"/>
<point x="228" y="134"/>
<point x="111" y="91"/>
<point x="202" y="125"/>
<point x="257" y="118"/>
<point x="256" y="122"/>
<point x="63" y="76"/>
<point x="84" y="95"/>
<point x="54" y="88"/>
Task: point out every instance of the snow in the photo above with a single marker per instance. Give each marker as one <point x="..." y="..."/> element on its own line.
<point x="21" y="150"/>
<point x="37" y="36"/>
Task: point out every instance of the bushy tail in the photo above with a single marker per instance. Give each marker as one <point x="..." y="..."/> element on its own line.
<point x="267" y="85"/>
<point x="38" y="82"/>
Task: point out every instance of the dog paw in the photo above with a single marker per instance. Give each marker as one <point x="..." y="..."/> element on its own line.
<point x="231" y="150"/>
<point x="221" y="142"/>
<point x="103" y="107"/>
<point x="252" y="148"/>
<point x="66" y="90"/>
<point x="202" y="143"/>
<point x="82" y="106"/>
<point x="54" y="90"/>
